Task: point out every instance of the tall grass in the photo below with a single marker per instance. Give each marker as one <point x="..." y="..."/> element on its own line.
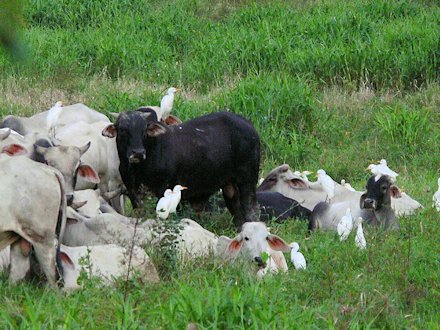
<point x="390" y="44"/>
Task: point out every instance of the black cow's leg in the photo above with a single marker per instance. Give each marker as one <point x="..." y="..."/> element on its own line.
<point x="231" y="196"/>
<point x="248" y="202"/>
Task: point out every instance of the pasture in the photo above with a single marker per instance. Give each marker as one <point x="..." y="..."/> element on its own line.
<point x="327" y="84"/>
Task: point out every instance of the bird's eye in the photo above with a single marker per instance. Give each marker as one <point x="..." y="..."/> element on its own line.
<point x="267" y="238"/>
<point x="246" y="238"/>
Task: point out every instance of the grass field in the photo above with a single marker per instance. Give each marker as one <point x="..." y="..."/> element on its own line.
<point x="328" y="84"/>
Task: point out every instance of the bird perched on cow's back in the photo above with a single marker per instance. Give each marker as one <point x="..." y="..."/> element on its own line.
<point x="297" y="257"/>
<point x="52" y="118"/>
<point x="168" y="203"/>
<point x="166" y="104"/>
<point x="345" y="225"/>
<point x="347" y="185"/>
<point x="382" y="169"/>
<point x="327" y="183"/>
<point x="436" y="197"/>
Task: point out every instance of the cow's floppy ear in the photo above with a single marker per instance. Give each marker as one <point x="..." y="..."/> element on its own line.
<point x="110" y="131"/>
<point x="278" y="244"/>
<point x="361" y="201"/>
<point x="66" y="261"/>
<point x="229" y="247"/>
<point x="4" y="134"/>
<point x="88" y="173"/>
<point x="14" y="150"/>
<point x="297" y="183"/>
<point x="78" y="205"/>
<point x="172" y="120"/>
<point x="84" y="148"/>
<point x="395" y="192"/>
<point x="155" y="129"/>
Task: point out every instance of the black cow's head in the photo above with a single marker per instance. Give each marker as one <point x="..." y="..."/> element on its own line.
<point x="379" y="193"/>
<point x="129" y="131"/>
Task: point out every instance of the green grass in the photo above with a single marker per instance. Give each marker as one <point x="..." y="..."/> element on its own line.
<point x="328" y="84"/>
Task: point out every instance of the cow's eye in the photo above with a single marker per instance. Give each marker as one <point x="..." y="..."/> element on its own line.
<point x="246" y="238"/>
<point x="267" y="238"/>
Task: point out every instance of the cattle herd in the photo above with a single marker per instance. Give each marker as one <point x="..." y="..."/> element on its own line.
<point x="64" y="174"/>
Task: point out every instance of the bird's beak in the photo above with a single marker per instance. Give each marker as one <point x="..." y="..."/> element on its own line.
<point x="183" y="188"/>
<point x="178" y="89"/>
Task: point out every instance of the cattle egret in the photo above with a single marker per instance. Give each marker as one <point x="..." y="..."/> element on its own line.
<point x="260" y="181"/>
<point x="436" y="197"/>
<point x="166" y="104"/>
<point x="297" y="257"/>
<point x="52" y="118"/>
<point x="382" y="169"/>
<point x="359" y="240"/>
<point x="168" y="203"/>
<point x="326" y="183"/>
<point x="163" y="206"/>
<point x="347" y="185"/>
<point x="345" y="225"/>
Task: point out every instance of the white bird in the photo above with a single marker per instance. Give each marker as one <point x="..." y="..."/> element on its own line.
<point x="297" y="257"/>
<point x="345" y="225"/>
<point x="52" y="118"/>
<point x="436" y="197"/>
<point x="166" y="104"/>
<point x="359" y="240"/>
<point x="260" y="181"/>
<point x="163" y="205"/>
<point x="382" y="169"/>
<point x="326" y="183"/>
<point x="168" y="203"/>
<point x="347" y="185"/>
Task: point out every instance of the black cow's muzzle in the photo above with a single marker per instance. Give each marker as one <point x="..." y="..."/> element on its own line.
<point x="370" y="203"/>
<point x="136" y="157"/>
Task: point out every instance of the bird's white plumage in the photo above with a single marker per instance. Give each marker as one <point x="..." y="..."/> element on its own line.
<point x="345" y="225"/>
<point x="347" y="185"/>
<point x="359" y="240"/>
<point x="298" y="260"/>
<point x="436" y="197"/>
<point x="166" y="104"/>
<point x="52" y="117"/>
<point x="326" y="183"/>
<point x="382" y="169"/>
<point x="163" y="206"/>
<point x="168" y="203"/>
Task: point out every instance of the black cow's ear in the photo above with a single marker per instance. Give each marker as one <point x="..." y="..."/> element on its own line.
<point x="109" y="131"/>
<point x="172" y="120"/>
<point x="155" y="129"/>
<point x="395" y="192"/>
<point x="362" y="201"/>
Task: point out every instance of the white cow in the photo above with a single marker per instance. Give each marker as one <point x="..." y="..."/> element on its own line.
<point x="33" y="205"/>
<point x="254" y="242"/>
<point x="5" y="258"/>
<point x="103" y="229"/>
<point x="37" y="123"/>
<point x="105" y="262"/>
<point x="102" y="155"/>
<point x="281" y="179"/>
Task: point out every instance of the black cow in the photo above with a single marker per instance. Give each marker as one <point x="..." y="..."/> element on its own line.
<point x="219" y="150"/>
<point x="280" y="207"/>
<point x="374" y="207"/>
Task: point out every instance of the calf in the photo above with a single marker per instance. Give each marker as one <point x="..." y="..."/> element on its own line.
<point x="33" y="208"/>
<point x="219" y="150"/>
<point x="374" y="207"/>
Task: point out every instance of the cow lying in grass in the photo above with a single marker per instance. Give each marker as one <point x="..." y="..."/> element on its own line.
<point x="374" y="207"/>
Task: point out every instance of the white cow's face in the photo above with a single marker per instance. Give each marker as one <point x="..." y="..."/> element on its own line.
<point x="282" y="179"/>
<point x="254" y="241"/>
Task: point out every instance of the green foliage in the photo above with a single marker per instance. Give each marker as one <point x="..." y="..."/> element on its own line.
<point x="403" y="126"/>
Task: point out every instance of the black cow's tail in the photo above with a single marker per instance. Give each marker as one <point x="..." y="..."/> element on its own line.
<point x="61" y="225"/>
